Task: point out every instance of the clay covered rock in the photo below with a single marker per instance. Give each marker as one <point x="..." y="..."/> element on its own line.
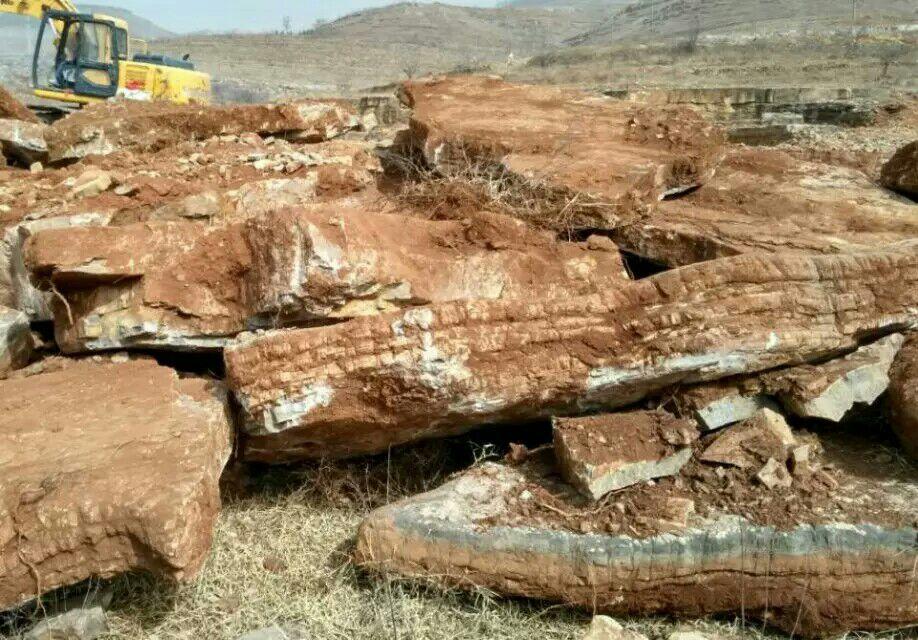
<point x="371" y="383"/>
<point x="107" y="468"/>
<point x="901" y="172"/>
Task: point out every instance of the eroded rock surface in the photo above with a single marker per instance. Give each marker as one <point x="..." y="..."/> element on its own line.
<point x="903" y="396"/>
<point x="373" y="382"/>
<point x="106" y="468"/>
<point x="104" y="128"/>
<point x="768" y="200"/>
<point x="581" y="147"/>
<point x="23" y="141"/>
<point x="817" y="577"/>
<point x="608" y="452"/>
<point x="901" y="172"/>
<point x="185" y="285"/>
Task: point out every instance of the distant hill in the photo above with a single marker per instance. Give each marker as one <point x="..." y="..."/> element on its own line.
<point x="652" y="20"/>
<point x="140" y="27"/>
<point x="383" y="45"/>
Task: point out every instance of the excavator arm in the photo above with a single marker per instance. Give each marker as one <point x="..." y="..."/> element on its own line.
<point x="37" y="8"/>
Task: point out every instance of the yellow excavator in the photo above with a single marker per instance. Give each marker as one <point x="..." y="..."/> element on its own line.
<point x="91" y="58"/>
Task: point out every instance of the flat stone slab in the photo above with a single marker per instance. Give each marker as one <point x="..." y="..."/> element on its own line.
<point x="104" y="469"/>
<point x="584" y="149"/>
<point x="372" y="383"/>
<point x="766" y="200"/>
<point x="903" y="396"/>
<point x="487" y="529"/>
<point x="190" y="286"/>
<point x="608" y="452"/>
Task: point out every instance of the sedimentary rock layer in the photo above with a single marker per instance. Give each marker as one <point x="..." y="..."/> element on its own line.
<point x="767" y="200"/>
<point x="581" y="147"/>
<point x="812" y="579"/>
<point x="184" y="285"/>
<point x="374" y="382"/>
<point x="104" y="128"/>
<point x="106" y="468"/>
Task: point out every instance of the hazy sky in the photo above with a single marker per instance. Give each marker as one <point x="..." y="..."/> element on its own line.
<point x="248" y="15"/>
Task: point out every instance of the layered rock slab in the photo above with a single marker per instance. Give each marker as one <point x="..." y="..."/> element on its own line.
<point x="106" y="468"/>
<point x="608" y="452"/>
<point x="374" y="382"/>
<point x="903" y="396"/>
<point x="768" y="200"/>
<point x="814" y="579"/>
<point x="578" y="146"/>
<point x="143" y="126"/>
<point x="184" y="285"/>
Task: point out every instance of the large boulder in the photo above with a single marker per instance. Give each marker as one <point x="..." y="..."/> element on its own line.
<point x="568" y="146"/>
<point x="107" y="468"/>
<point x="184" y="285"/>
<point x="901" y="172"/>
<point x="23" y="141"/>
<point x="845" y="562"/>
<point x="903" y="397"/>
<point x="371" y="383"/>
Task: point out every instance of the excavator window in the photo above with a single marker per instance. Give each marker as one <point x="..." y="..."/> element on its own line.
<point x="86" y="56"/>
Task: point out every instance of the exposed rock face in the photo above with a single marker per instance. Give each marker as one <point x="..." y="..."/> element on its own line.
<point x="76" y="624"/>
<point x="11" y="108"/>
<point x="573" y="144"/>
<point x="104" y="128"/>
<point x="829" y="391"/>
<point x="901" y="172"/>
<point x="374" y="382"/>
<point x="768" y="200"/>
<point x="23" y="141"/>
<point x="15" y="340"/>
<point x="184" y="285"/>
<point x="106" y="468"/>
<point x="608" y="452"/>
<point x="16" y="288"/>
<point x="811" y="579"/>
<point x="903" y="397"/>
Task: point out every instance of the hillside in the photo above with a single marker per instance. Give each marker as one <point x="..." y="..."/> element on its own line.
<point x="141" y="27"/>
<point x="651" y="20"/>
<point x="380" y="46"/>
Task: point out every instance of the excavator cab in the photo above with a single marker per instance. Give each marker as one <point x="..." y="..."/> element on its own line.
<point x="86" y="54"/>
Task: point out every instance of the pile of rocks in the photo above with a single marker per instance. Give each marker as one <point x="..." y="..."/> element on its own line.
<point x="349" y="322"/>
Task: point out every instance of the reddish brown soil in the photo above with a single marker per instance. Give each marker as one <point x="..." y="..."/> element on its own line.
<point x="840" y="486"/>
<point x="11" y="108"/>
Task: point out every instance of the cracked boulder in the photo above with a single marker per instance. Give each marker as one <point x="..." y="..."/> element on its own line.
<point x="845" y="564"/>
<point x="570" y="146"/>
<point x="903" y="397"/>
<point x="768" y="200"/>
<point x="16" y="288"/>
<point x="371" y="383"/>
<point x="829" y="391"/>
<point x="23" y="141"/>
<point x="608" y="452"/>
<point x="103" y="128"/>
<point x="15" y="340"/>
<point x="901" y="172"/>
<point x="104" y="469"/>
<point x="183" y="285"/>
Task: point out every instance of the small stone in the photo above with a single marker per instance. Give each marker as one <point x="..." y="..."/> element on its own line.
<point x="274" y="564"/>
<point x="77" y="624"/>
<point x="518" y="454"/>
<point x="774" y="474"/>
<point x="765" y="436"/>
<point x="91" y="183"/>
<point x="126" y="190"/>
<point x="606" y="628"/>
<point x="36" y="168"/>
<point x="688" y="635"/>
<point x="800" y="460"/>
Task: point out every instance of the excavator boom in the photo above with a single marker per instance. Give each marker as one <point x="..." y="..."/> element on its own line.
<point x="36" y="8"/>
